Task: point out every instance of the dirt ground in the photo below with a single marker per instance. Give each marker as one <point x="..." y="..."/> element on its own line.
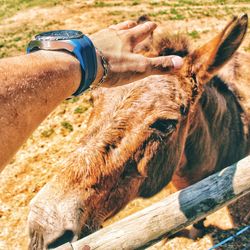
<point x="38" y="160"/>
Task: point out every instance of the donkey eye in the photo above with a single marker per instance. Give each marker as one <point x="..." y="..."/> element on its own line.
<point x="164" y="125"/>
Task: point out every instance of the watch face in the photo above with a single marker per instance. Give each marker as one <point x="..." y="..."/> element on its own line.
<point x="59" y="35"/>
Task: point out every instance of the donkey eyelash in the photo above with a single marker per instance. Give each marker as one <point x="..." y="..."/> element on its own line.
<point x="164" y="125"/>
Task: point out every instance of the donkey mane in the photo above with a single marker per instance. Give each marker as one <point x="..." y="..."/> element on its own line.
<point x="166" y="43"/>
<point x="172" y="44"/>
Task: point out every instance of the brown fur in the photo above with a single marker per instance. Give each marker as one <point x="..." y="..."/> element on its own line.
<point x="142" y="135"/>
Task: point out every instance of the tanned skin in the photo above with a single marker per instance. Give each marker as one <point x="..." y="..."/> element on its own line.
<point x="31" y="86"/>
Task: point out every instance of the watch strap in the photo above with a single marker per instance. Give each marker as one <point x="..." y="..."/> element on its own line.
<point x="85" y="52"/>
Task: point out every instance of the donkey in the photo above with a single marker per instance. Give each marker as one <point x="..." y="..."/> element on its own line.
<point x="181" y="126"/>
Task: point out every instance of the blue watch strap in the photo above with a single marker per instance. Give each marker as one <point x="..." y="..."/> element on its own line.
<point x="85" y="52"/>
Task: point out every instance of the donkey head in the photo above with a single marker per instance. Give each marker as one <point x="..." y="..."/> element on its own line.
<point x="134" y="141"/>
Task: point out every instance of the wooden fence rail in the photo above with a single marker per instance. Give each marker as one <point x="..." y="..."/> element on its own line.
<point x="171" y="214"/>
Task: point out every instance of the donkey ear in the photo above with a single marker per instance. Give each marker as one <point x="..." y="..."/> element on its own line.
<point x="207" y="60"/>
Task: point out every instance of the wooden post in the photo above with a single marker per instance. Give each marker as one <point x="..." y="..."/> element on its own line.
<point x="173" y="213"/>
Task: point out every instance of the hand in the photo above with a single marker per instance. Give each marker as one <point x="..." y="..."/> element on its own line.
<point x="117" y="43"/>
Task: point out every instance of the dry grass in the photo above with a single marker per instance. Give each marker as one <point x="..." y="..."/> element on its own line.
<point x="38" y="159"/>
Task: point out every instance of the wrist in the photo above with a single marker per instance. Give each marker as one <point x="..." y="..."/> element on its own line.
<point x="64" y="56"/>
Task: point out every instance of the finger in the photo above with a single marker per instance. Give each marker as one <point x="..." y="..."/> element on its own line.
<point x="124" y="25"/>
<point x="163" y="64"/>
<point x="140" y="32"/>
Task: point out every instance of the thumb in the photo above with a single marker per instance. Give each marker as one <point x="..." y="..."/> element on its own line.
<point x="162" y="64"/>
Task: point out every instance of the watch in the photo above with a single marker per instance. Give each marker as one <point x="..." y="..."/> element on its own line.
<point x="74" y="42"/>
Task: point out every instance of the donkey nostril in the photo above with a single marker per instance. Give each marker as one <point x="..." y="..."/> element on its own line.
<point x="67" y="236"/>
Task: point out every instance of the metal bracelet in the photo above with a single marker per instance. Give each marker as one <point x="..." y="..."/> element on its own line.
<point x="105" y="68"/>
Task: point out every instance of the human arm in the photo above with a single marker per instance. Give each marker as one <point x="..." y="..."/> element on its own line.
<point x="31" y="86"/>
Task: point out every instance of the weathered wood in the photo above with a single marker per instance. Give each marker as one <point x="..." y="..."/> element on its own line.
<point x="173" y="213"/>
